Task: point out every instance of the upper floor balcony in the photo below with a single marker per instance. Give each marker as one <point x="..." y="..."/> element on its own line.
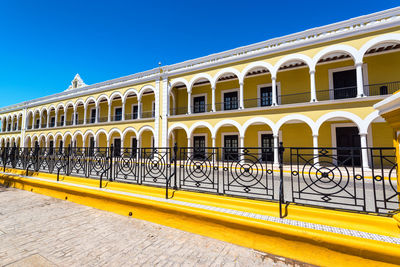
<point x="103" y="110"/>
<point x="333" y="74"/>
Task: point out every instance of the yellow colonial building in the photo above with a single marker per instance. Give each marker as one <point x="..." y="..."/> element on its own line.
<point x="315" y="88"/>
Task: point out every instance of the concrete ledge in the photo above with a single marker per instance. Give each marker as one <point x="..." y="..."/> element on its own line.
<point x="307" y="245"/>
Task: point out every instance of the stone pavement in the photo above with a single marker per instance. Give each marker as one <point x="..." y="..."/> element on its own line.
<point x="37" y="230"/>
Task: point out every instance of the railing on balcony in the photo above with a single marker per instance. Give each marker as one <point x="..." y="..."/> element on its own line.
<point x="116" y="118"/>
<point x="131" y="116"/>
<point x="382" y="88"/>
<point x="79" y="122"/>
<point x="147" y="114"/>
<point x="69" y="123"/>
<point x="102" y="119"/>
<point x="301" y="97"/>
<point x="229" y="105"/>
<point x="337" y="93"/>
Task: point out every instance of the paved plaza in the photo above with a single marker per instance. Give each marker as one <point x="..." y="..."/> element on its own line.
<point x="37" y="230"/>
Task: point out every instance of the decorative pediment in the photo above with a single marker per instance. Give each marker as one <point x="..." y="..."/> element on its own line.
<point x="76" y="82"/>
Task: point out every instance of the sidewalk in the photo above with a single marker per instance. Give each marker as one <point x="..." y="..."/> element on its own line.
<point x="49" y="232"/>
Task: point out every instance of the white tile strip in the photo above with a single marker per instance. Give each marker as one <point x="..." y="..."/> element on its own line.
<point x="321" y="227"/>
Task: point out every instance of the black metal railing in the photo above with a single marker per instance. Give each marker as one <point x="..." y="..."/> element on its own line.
<point x="381" y="88"/>
<point x="337" y="93"/>
<point x="294" y="98"/>
<point x="333" y="178"/>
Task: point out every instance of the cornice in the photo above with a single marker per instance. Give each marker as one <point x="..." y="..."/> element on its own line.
<point x="355" y="26"/>
<point x="389" y="104"/>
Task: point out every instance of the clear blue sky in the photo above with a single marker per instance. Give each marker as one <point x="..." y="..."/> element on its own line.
<point x="45" y="43"/>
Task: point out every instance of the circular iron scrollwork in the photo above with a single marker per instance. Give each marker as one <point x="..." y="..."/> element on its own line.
<point x="155" y="166"/>
<point x="325" y="177"/>
<point x="198" y="170"/>
<point x="247" y="171"/>
<point x="126" y="164"/>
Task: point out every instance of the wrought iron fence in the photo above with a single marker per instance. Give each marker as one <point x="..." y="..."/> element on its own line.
<point x="321" y="177"/>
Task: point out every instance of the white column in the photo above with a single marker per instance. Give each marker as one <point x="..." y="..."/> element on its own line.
<point x="139" y="109"/>
<point x="364" y="151"/>
<point x="40" y="121"/>
<point x="12" y="123"/>
<point x="138" y="152"/>
<point x="123" y="110"/>
<point x="213" y="109"/>
<point x="274" y="93"/>
<point x="241" y="97"/>
<point x="96" y="118"/>
<point x="276" y="149"/>
<point x="74" y="122"/>
<point x="189" y="103"/>
<point x="17" y="123"/>
<point x="56" y="119"/>
<point x="189" y="144"/>
<point x="241" y="144"/>
<point x="360" y="83"/>
<point x="65" y="117"/>
<point x="84" y="114"/>
<point x="109" y="112"/>
<point x="48" y="119"/>
<point x="312" y="86"/>
<point x="315" y="145"/>
<point x="213" y="144"/>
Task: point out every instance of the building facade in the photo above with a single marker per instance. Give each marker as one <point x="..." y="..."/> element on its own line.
<point x="315" y="88"/>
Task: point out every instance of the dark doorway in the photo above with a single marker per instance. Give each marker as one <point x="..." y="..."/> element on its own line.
<point x="117" y="147"/>
<point x="348" y="146"/>
<point x="199" y="104"/>
<point x="199" y="144"/>
<point x="93" y="115"/>
<point x="267" y="147"/>
<point x="231" y="101"/>
<point x="118" y="114"/>
<point x="134" y="147"/>
<point x="231" y="147"/>
<point x="266" y="96"/>
<point x="135" y="112"/>
<point x="345" y="84"/>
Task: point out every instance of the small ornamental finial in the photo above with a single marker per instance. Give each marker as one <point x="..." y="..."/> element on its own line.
<point x="76" y="82"/>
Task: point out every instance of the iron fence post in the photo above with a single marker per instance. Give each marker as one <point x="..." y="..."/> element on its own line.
<point x="111" y="162"/>
<point x="175" y="167"/>
<point x="36" y="153"/>
<point x="281" y="149"/>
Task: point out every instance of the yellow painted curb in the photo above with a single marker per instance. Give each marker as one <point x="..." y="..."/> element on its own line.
<point x="308" y="245"/>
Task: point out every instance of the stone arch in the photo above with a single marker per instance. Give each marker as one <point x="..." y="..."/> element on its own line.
<point x="101" y="97"/>
<point x="339" y="114"/>
<point x="258" y="64"/>
<point x="289" y="58"/>
<point x="368" y="120"/>
<point x="332" y="49"/>
<point x="112" y="131"/>
<point x="198" y="124"/>
<point x="199" y="77"/>
<point x="391" y="37"/>
<point x="225" y="71"/>
<point x="146" y="88"/>
<point x="127" y="130"/>
<point x="178" y="125"/>
<point x="227" y="122"/>
<point x="257" y="120"/>
<point x="116" y="93"/>
<point x="295" y="117"/>
<point x="177" y="81"/>
<point x="90" y="99"/>
<point x="146" y="128"/>
<point x="128" y="92"/>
